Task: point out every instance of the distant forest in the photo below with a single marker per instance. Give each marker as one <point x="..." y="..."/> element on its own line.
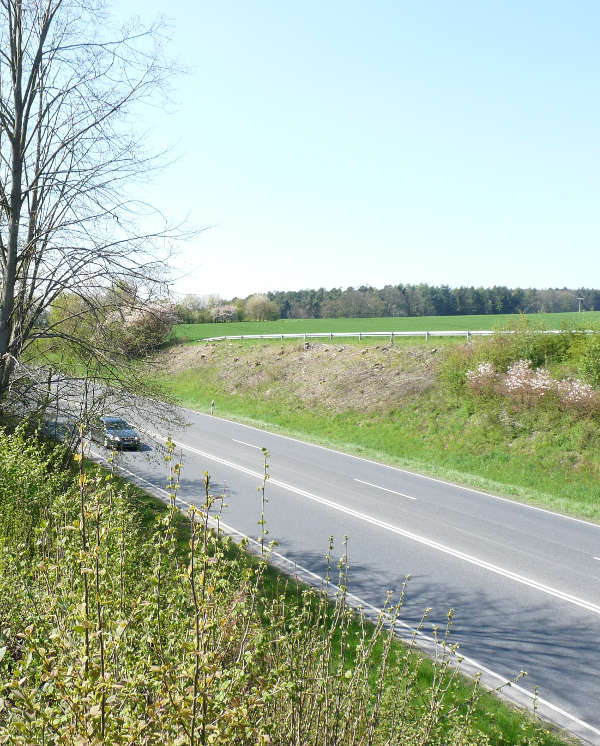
<point x="428" y="300"/>
<point x="392" y="300"/>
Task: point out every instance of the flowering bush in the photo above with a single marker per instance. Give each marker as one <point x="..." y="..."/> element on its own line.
<point x="483" y="378"/>
<point x="521" y="380"/>
<point x="529" y="385"/>
<point x="578" y="393"/>
<point x="139" y="329"/>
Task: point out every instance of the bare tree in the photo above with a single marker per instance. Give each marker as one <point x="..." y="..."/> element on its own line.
<point x="69" y="165"/>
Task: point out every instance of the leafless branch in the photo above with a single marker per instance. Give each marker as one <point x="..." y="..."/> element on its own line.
<point x="69" y="163"/>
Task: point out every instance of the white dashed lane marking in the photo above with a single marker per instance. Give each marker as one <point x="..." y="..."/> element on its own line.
<point x="243" y="442"/>
<point x="385" y="489"/>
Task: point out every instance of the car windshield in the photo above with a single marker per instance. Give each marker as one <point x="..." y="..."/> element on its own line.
<point x="117" y="424"/>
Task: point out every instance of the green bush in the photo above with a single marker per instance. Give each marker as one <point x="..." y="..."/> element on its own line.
<point x="525" y="341"/>
<point x="30" y="480"/>
<point x="457" y="360"/>
<point x="588" y="362"/>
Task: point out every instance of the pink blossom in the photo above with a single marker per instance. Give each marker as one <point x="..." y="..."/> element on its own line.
<point x="522" y="379"/>
<point x="485" y="375"/>
<point x="523" y="382"/>
<point x="577" y="392"/>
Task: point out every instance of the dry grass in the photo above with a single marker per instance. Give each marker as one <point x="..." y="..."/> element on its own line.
<point x="335" y="377"/>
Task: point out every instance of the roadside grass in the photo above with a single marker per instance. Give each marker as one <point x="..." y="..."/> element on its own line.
<point x="546" y="458"/>
<point x="385" y="324"/>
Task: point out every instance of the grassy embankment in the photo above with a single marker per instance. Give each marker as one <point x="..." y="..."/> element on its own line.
<point x="122" y="624"/>
<point x="187" y="332"/>
<point x="408" y="406"/>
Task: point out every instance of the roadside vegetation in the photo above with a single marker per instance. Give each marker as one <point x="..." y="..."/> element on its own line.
<point x="417" y="405"/>
<point x="194" y="332"/>
<point x="124" y="622"/>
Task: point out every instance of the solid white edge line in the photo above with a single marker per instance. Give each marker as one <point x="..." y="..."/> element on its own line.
<point x="512" y="501"/>
<point x="431" y="543"/>
<point x="385" y="489"/>
<point x="421" y="636"/>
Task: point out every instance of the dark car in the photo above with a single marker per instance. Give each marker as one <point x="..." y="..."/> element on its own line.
<point x="114" y="432"/>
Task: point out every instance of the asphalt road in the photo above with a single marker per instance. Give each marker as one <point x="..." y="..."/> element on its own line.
<point x="524" y="583"/>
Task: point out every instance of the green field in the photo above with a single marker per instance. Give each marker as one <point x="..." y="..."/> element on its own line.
<point x="192" y="332"/>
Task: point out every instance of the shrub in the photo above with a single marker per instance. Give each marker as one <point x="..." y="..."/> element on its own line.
<point x="525" y="341"/>
<point x="484" y="378"/>
<point x="524" y="383"/>
<point x="578" y="394"/>
<point x="521" y="380"/>
<point x="589" y="360"/>
<point x="454" y="368"/>
<point x="139" y="330"/>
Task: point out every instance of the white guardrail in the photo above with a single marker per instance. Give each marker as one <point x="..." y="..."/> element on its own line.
<point x="391" y="335"/>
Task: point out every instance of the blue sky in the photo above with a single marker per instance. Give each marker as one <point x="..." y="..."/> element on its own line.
<point x="348" y="143"/>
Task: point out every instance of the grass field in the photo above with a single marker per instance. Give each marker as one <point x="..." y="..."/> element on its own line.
<point x="192" y="332"/>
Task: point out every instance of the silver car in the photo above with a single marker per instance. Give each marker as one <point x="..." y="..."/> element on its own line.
<point x="114" y="432"/>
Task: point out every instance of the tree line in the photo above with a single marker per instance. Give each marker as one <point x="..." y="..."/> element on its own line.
<point x="391" y="300"/>
<point x="429" y="300"/>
